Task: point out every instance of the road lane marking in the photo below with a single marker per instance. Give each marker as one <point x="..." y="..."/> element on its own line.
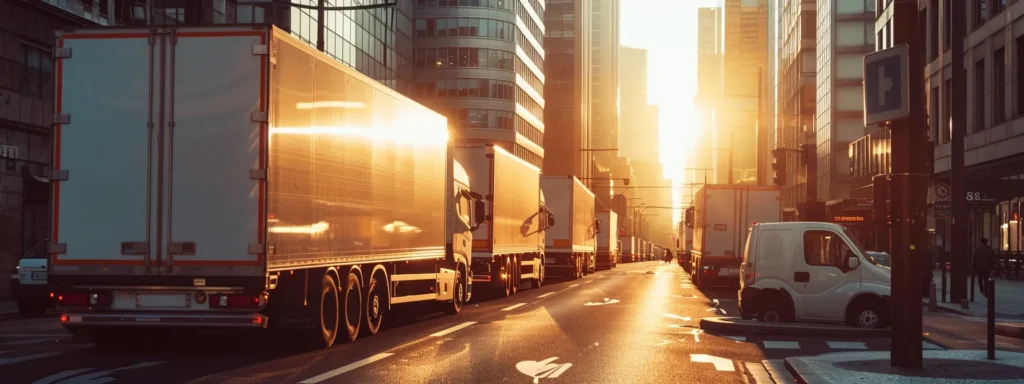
<point x="606" y="301"/>
<point x="546" y="295"/>
<point x="103" y="376"/>
<point x="60" y="376"/>
<point x="453" y="329"/>
<point x="846" y="345"/>
<point x="781" y="344"/>
<point x="506" y="309"/>
<point x="22" y="359"/>
<point x="573" y="285"/>
<point x="738" y="339"/>
<point x="329" y="374"/>
<point x="33" y="341"/>
<point x="721" y="364"/>
<point x="589" y="281"/>
<point x="677" y="317"/>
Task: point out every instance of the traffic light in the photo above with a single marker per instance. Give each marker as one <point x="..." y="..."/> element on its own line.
<point x="622" y="231"/>
<point x="779" y="166"/>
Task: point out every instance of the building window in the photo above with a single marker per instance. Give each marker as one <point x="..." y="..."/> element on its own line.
<point x="37" y="79"/>
<point x="933" y="29"/>
<point x="1020" y="75"/>
<point x="947" y="30"/>
<point x="999" y="86"/>
<point x="980" y="10"/>
<point x="947" y="104"/>
<point x="979" y="95"/>
<point x="464" y="27"/>
<point x="933" y="115"/>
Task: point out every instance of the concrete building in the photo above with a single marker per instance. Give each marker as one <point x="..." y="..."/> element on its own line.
<point x="604" y="75"/>
<point x="766" y="126"/>
<point x="845" y="34"/>
<point x="480" y="64"/>
<point x="745" y="54"/>
<point x="638" y="130"/>
<point x="567" y="137"/>
<point x="797" y="70"/>
<point x="26" y="110"/>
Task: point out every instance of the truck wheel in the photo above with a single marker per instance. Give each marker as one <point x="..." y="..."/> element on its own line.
<point x="376" y="303"/>
<point x="539" y="278"/>
<point x="579" y="268"/>
<point x="458" y="298"/>
<point x="327" y="314"/>
<point x="508" y="277"/>
<point x="516" y="276"/>
<point x="353" y="306"/>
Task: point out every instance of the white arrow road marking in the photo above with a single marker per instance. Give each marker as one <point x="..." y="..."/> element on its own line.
<point x="546" y="295"/>
<point x="782" y="344"/>
<point x="696" y="334"/>
<point x="605" y="302"/>
<point x="61" y="375"/>
<point x="22" y="359"/>
<point x="721" y="364"/>
<point x="99" y="377"/>
<point x="663" y="342"/>
<point x="349" y="367"/>
<point x="677" y="317"/>
<point x="884" y="85"/>
<point x="452" y="329"/>
<point x="542" y="369"/>
<point x="846" y="345"/>
<point x="506" y="309"/>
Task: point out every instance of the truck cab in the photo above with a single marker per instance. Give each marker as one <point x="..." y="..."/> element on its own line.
<point x="812" y="272"/>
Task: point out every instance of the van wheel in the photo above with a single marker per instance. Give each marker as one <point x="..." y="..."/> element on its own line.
<point x="868" y="314"/>
<point x="459" y="296"/>
<point x="353" y="306"/>
<point x="774" y="314"/>
<point x="327" y="318"/>
<point x="376" y="304"/>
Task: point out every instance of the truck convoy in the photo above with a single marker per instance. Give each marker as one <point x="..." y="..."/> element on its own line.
<point x="722" y="215"/>
<point x="266" y="184"/>
<point x="607" y="240"/>
<point x="508" y="248"/>
<point x="628" y="253"/>
<point x="571" y="242"/>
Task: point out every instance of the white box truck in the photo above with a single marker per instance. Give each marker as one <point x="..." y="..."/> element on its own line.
<point x="571" y="243"/>
<point x="234" y="177"/>
<point x="628" y="254"/>
<point x="608" y="239"/>
<point x="508" y="248"/>
<point x="722" y="215"/>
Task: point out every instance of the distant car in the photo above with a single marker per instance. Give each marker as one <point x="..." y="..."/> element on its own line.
<point x="30" y="283"/>
<point x="882" y="258"/>
<point x="812" y="272"/>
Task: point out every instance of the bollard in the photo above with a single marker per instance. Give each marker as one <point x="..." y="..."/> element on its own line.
<point x="932" y="306"/>
<point x="963" y="304"/>
<point x="990" y="287"/>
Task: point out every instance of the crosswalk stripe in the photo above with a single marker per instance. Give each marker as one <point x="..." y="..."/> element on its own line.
<point x="781" y="344"/>
<point x="927" y="345"/>
<point x="847" y="345"/>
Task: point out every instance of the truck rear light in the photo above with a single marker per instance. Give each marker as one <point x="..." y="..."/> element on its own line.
<point x="234" y="301"/>
<point x="78" y="299"/>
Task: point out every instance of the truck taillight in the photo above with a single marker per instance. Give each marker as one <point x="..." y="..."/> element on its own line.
<point x="234" y="301"/>
<point x="85" y="299"/>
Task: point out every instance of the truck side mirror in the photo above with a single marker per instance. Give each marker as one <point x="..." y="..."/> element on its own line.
<point x="479" y="212"/>
<point x="597" y="226"/>
<point x="689" y="217"/>
<point x="551" y="220"/>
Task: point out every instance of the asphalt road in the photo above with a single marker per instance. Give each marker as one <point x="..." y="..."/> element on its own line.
<point x="636" y="323"/>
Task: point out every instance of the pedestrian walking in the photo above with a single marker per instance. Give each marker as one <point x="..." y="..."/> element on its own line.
<point x="984" y="261"/>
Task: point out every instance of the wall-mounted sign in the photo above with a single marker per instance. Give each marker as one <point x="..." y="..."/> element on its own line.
<point x="848" y="219"/>
<point x="8" y="152"/>
<point x="720" y="227"/>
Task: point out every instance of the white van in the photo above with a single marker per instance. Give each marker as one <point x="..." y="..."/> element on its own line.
<point x="812" y="272"/>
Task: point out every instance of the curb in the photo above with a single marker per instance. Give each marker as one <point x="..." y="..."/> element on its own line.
<point x="750" y="327"/>
<point x="803" y="373"/>
<point x="1010" y="330"/>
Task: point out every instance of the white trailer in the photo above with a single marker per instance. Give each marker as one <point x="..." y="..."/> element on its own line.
<point x="507" y="248"/>
<point x="628" y="254"/>
<point x="571" y="243"/>
<point x="722" y="215"/>
<point x="264" y="184"/>
<point x="608" y="239"/>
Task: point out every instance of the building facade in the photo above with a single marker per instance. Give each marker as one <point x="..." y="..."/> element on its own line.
<point x="845" y="34"/>
<point x="604" y="79"/>
<point x="638" y="130"/>
<point x="480" y="63"/>
<point x="797" y="70"/>
<point x="766" y="126"/>
<point x="567" y="136"/>
<point x="707" y="163"/>
<point x="745" y="55"/>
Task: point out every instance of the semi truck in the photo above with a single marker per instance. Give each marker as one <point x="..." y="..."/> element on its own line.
<point x="607" y="239"/>
<point x="685" y="241"/>
<point x="628" y="252"/>
<point x="722" y="215"/>
<point x="571" y="243"/>
<point x="264" y="185"/>
<point x="508" y="248"/>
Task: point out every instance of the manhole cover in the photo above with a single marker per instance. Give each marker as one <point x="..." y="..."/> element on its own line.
<point x="941" y="369"/>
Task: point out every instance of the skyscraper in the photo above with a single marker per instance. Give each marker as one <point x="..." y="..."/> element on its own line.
<point x="797" y="70"/>
<point x="707" y="160"/>
<point x="604" y="75"/>
<point x="567" y="136"/>
<point x="638" y="130"/>
<point x="480" y="64"/>
<point x="746" y="53"/>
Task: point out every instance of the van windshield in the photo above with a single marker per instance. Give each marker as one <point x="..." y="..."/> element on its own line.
<point x="857" y="244"/>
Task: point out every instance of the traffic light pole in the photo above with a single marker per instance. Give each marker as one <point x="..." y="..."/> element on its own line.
<point x="909" y="192"/>
<point x="958" y="250"/>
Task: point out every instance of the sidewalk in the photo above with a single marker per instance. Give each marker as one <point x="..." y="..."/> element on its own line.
<point x="937" y="367"/>
<point x="1009" y="298"/>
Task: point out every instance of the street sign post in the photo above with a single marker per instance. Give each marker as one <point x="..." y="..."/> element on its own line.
<point x="886" y="85"/>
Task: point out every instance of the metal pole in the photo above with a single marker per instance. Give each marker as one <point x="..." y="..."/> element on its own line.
<point x="759" y="162"/>
<point x="958" y="250"/>
<point x="908" y="192"/>
<point x="320" y="25"/>
<point x="990" y="286"/>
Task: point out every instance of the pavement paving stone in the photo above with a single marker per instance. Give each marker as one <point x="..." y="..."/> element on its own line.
<point x="961" y="366"/>
<point x="1009" y="298"/>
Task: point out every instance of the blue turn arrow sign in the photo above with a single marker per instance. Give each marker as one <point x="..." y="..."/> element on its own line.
<point x="886" y="85"/>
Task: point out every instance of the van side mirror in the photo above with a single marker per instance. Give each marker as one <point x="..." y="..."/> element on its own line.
<point x="479" y="212"/>
<point x="852" y="261"/>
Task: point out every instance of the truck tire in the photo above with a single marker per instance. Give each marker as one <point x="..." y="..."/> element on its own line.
<point x="326" y="314"/>
<point x="353" y="306"/>
<point x="539" y="278"/>
<point x="376" y="304"/>
<point x="459" y="298"/>
<point x="579" y="268"/>
<point x="508" y="276"/>
<point x="517" y="274"/>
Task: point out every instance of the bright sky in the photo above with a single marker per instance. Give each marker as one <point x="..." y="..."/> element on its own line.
<point x="668" y="29"/>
